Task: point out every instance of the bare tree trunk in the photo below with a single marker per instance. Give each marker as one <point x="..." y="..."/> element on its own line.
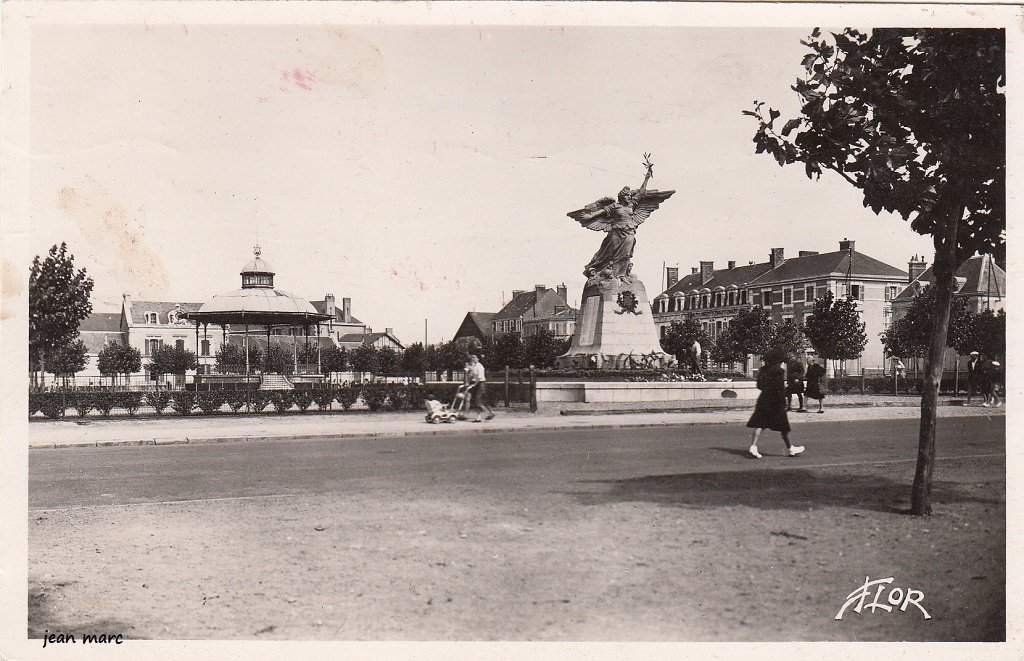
<point x="943" y="269"/>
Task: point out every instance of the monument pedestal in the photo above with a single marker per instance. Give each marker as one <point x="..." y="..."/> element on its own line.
<point x="614" y="328"/>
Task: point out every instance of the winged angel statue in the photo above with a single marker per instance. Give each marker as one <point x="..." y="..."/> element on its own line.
<point x="620" y="220"/>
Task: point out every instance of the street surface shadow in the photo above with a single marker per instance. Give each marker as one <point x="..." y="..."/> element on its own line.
<point x="44" y="616"/>
<point x="789" y="489"/>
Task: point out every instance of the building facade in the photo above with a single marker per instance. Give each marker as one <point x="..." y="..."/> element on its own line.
<point x="530" y="311"/>
<point x="787" y="288"/>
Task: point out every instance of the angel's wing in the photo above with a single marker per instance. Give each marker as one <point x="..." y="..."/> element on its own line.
<point x="593" y="216"/>
<point x="647" y="203"/>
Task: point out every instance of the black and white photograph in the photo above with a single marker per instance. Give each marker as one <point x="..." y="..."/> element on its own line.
<point x="507" y="330"/>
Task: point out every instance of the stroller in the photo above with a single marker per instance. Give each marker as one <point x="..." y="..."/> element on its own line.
<point x="438" y="412"/>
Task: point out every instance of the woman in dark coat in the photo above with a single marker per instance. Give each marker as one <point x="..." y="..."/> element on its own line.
<point x="795" y="384"/>
<point x="815" y="386"/>
<point x="770" y="410"/>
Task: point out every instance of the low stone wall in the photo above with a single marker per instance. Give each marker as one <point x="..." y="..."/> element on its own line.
<point x="551" y="394"/>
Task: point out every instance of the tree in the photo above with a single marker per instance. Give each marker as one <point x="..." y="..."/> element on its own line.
<point x="543" y="349"/>
<point x="387" y="359"/>
<point x="509" y="352"/>
<point x="117" y="358"/>
<point x="989" y="333"/>
<point x="231" y="358"/>
<point x="680" y="336"/>
<point x="786" y="338"/>
<point x="414" y="358"/>
<point x="278" y="360"/>
<point x="334" y="359"/>
<point x="728" y="348"/>
<point x="58" y="301"/>
<point x="750" y="330"/>
<point x="834" y="328"/>
<point x="364" y="358"/>
<point x="915" y="119"/>
<point x="172" y="360"/>
<point x="67" y="359"/>
<point x="911" y="334"/>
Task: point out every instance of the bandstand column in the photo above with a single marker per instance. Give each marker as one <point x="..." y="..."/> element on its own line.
<point x="318" y="368"/>
<point x="295" y="352"/>
<point x="198" y="360"/>
<point x="246" y="343"/>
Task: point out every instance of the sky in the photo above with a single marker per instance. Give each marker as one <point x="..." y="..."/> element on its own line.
<point x="422" y="171"/>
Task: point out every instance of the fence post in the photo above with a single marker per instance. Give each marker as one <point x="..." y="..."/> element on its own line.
<point x="862" y="380"/>
<point x="506" y="386"/>
<point x="533" y="390"/>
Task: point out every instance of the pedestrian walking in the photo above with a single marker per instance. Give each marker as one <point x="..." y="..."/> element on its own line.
<point x="815" y="384"/>
<point x="477" y="376"/>
<point x="989" y="379"/>
<point x="972" y="374"/>
<point x="694" y="354"/>
<point x="770" y="410"/>
<point x="795" y="383"/>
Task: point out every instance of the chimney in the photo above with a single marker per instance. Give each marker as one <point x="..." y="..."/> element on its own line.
<point x="329" y="304"/>
<point x="707" y="271"/>
<point x="808" y="253"/>
<point x="562" y="292"/>
<point x="693" y="270"/>
<point x="517" y="292"/>
<point x="732" y="264"/>
<point x="846" y="245"/>
<point x="346" y="310"/>
<point x="389" y="330"/>
<point x="671" y="276"/>
<point x="540" y="289"/>
<point x="915" y="267"/>
<point x="776" y="257"/>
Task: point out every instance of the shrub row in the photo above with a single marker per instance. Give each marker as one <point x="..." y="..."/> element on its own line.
<point x="885" y="385"/>
<point x="391" y="397"/>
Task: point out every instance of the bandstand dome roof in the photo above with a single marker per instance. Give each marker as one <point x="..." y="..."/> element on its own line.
<point x="257" y="302"/>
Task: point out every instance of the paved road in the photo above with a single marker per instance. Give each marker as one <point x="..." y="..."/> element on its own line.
<point x="544" y="460"/>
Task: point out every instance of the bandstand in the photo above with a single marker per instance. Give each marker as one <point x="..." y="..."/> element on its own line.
<point x="257" y="308"/>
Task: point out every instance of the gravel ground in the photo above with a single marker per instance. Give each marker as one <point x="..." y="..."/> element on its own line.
<point x="694" y="557"/>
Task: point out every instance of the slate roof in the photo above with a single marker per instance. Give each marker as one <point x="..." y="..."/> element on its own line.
<point x="518" y="306"/>
<point x="101" y="322"/>
<point x="321" y="307"/>
<point x="366" y="338"/>
<point x="980" y="276"/>
<point x="475" y="324"/>
<point x="284" y="341"/>
<point x="739" y="276"/>
<point x="829" y="263"/>
<point x="140" y="308"/>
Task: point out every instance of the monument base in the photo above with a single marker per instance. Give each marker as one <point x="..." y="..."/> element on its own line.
<point x="615" y="329"/>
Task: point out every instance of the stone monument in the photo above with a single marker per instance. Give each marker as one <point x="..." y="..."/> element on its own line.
<point x="614" y="327"/>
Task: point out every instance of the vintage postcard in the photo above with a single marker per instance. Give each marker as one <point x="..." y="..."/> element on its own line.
<point x="508" y="329"/>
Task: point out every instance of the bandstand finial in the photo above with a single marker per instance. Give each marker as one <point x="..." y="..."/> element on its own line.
<point x="256" y="250"/>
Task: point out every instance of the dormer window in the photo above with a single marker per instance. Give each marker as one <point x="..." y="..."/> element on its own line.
<point x="151" y="318"/>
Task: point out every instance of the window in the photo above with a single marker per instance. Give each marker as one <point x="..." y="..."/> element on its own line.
<point x="743" y="297"/>
<point x="891" y="292"/>
<point x="787" y="296"/>
<point x="809" y="293"/>
<point x="151" y="346"/>
<point x="856" y="292"/>
<point x="151" y="318"/>
<point x="179" y="345"/>
<point x="766" y="297"/>
<point x="205" y="348"/>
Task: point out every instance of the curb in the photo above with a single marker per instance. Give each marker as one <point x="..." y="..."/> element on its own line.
<point x="446" y="431"/>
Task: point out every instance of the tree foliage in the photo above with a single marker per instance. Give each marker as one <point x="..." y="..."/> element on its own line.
<point x="67" y="359"/>
<point x="680" y="336"/>
<point x="387" y="360"/>
<point x="508" y="351"/>
<point x="116" y="358"/>
<point x="172" y="360"/>
<point x="414" y="358"/>
<point x="988" y="333"/>
<point x="786" y="338"/>
<point x="914" y="118"/>
<point x="543" y="348"/>
<point x="364" y="358"/>
<point x="334" y="359"/>
<point x="231" y="358"/>
<point x="749" y="332"/>
<point x="58" y="301"/>
<point x="911" y="334"/>
<point x="834" y="328"/>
